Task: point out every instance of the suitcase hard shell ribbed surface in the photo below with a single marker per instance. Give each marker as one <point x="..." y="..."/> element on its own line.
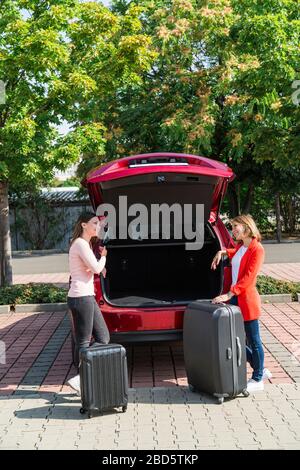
<point x="214" y="349"/>
<point x="103" y="378"/>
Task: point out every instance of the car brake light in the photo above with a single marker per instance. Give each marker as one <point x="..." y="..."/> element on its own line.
<point x="159" y="161"/>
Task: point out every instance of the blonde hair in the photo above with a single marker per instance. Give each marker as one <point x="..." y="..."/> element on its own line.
<point x="247" y="221"/>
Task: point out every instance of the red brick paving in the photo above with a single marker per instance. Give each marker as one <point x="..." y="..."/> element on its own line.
<point x="160" y="365"/>
<point x="25" y="336"/>
<point x="60" y="371"/>
<point x="282" y="271"/>
<point x="283" y="321"/>
<point x="59" y="279"/>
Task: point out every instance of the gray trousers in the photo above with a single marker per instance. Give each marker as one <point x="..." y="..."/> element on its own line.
<point x="87" y="321"/>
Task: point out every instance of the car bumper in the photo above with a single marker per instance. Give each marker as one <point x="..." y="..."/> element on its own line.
<point x="146" y="336"/>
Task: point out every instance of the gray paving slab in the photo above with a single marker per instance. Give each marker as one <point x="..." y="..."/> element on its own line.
<point x="181" y="421"/>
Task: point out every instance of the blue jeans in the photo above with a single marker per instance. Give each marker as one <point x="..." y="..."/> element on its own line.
<point x="254" y="348"/>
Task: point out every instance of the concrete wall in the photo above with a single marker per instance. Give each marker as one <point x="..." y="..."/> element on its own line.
<point x="65" y="216"/>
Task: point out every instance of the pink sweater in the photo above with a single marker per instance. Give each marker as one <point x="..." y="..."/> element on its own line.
<point x="83" y="265"/>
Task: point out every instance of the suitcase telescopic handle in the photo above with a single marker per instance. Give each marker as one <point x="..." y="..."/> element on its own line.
<point x="239" y="351"/>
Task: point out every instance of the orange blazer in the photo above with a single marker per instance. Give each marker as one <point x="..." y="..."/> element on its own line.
<point x="245" y="288"/>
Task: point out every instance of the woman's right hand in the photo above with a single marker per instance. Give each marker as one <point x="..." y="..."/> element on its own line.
<point x="217" y="259"/>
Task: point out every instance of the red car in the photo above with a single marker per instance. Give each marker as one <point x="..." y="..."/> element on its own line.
<point x="149" y="282"/>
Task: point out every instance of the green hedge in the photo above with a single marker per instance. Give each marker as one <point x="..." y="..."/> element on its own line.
<point x="32" y="294"/>
<point x="48" y="293"/>
<point x="269" y="285"/>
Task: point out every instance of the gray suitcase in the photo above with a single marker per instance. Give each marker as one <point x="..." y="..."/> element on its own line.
<point x="103" y="378"/>
<point x="215" y="350"/>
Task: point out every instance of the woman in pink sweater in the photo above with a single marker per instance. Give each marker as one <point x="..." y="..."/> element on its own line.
<point x="87" y="319"/>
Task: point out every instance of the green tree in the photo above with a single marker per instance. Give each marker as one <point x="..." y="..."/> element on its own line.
<point x="261" y="119"/>
<point x="59" y="60"/>
<point x="221" y="86"/>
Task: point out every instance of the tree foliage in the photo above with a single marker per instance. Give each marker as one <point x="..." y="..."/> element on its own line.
<point x="221" y="85"/>
<point x="59" y="60"/>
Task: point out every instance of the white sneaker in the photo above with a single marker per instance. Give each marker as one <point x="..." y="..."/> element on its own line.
<point x="74" y="383"/>
<point x="254" y="386"/>
<point x="267" y="374"/>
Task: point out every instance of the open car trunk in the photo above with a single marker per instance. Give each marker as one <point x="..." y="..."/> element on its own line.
<point x="146" y="271"/>
<point x="156" y="274"/>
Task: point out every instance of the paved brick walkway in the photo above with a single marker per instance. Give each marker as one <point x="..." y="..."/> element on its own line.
<point x="38" y="352"/>
<point x="157" y="418"/>
<point x="38" y="411"/>
<point x="59" y="279"/>
<point x="282" y="271"/>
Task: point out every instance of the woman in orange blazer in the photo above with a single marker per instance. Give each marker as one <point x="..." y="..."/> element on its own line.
<point x="246" y="259"/>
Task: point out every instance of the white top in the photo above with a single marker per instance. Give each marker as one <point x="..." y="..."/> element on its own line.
<point x="83" y="264"/>
<point x="235" y="263"/>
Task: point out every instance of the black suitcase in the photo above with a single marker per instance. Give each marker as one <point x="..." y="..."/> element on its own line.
<point x="103" y="378"/>
<point x="214" y="349"/>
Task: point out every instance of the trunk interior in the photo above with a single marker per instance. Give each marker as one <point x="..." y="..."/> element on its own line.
<point x="156" y="274"/>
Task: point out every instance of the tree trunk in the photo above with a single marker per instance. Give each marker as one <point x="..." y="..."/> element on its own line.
<point x="248" y="200"/>
<point x="284" y="213"/>
<point x="278" y="217"/>
<point x="233" y="201"/>
<point x="292" y="214"/>
<point x="239" y="198"/>
<point x="5" y="242"/>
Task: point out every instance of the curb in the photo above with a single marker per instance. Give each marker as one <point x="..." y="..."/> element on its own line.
<point x="38" y="252"/>
<point x="283" y="242"/>
<point x="33" y="308"/>
<point x="4" y="309"/>
<point x="27" y="308"/>
<point x="60" y="307"/>
<point x="276" y="298"/>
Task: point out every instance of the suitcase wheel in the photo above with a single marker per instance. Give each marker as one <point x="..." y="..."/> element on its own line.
<point x="82" y="411"/>
<point x="245" y="393"/>
<point x="220" y="400"/>
<point x="124" y="408"/>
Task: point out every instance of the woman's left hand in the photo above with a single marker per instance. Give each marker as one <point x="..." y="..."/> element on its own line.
<point x="102" y="250"/>
<point x="222" y="298"/>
